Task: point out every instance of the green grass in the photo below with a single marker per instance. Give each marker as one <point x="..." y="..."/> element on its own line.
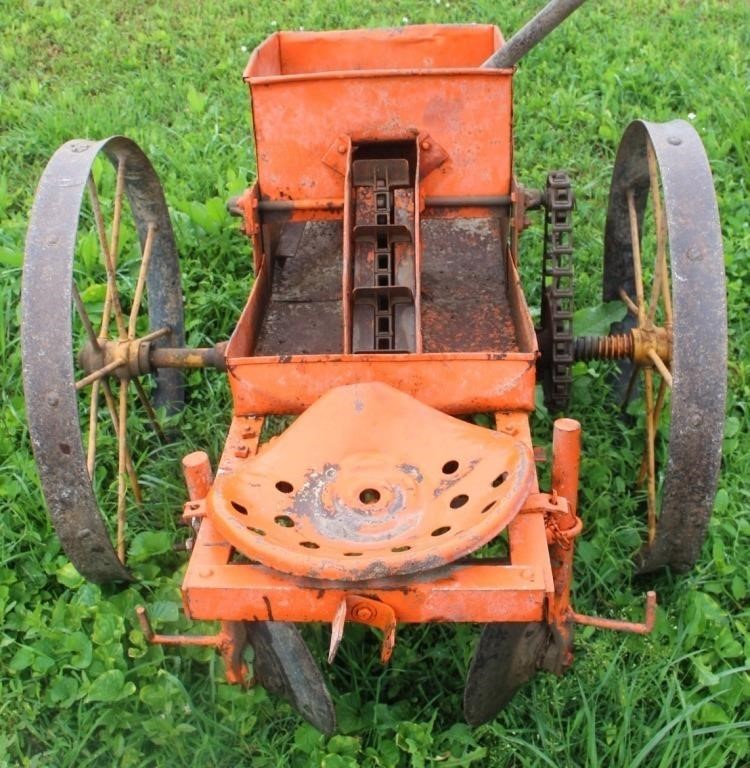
<point x="78" y="685"/>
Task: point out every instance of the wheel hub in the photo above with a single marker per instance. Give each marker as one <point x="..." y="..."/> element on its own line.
<point x="133" y="356"/>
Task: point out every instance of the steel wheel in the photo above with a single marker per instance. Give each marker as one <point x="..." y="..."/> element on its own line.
<point x="663" y="258"/>
<point x="285" y="667"/>
<point x="507" y="656"/>
<point x="86" y="337"/>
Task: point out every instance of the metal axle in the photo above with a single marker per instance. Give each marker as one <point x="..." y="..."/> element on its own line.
<point x="644" y="346"/>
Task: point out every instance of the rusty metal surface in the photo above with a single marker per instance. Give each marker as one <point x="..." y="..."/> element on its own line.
<point x="644" y="627"/>
<point x="289" y="238"/>
<point x="383" y="256"/>
<point x="699" y="352"/>
<point x="464" y="293"/>
<point x="187" y="357"/>
<point x="364" y="610"/>
<point x="397" y="487"/>
<point x="284" y="666"/>
<point x="555" y="335"/>
<point x="301" y="328"/>
<point x="506" y="657"/>
<point x="362" y="84"/>
<point x="47" y="344"/>
<point x="304" y="315"/>
<point x="307" y="263"/>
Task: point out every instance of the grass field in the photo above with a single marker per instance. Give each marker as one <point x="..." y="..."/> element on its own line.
<point x="79" y="686"/>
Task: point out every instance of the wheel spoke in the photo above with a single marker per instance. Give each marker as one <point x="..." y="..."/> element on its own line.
<point x="104" y="247"/>
<point x="143" y="397"/>
<point x="93" y="415"/>
<point x="632" y="308"/>
<point x="158" y="334"/>
<point x="140" y="285"/>
<point x="122" y="450"/>
<point x="112" y="408"/>
<point x="112" y="298"/>
<point x="635" y="243"/>
<point x="661" y="367"/>
<point x="651" y="454"/>
<point x="661" y="271"/>
<point x="660" y="400"/>
<point x="85" y="319"/>
<point x="114" y="245"/>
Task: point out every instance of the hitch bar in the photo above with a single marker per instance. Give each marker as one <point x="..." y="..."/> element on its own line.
<point x="622" y="626"/>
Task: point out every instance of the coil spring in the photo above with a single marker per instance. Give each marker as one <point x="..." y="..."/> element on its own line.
<point x="615" y="347"/>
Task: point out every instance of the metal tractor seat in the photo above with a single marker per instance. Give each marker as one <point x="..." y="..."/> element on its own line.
<point x="369" y="482"/>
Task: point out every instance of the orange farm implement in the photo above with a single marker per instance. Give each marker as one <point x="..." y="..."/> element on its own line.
<point x="386" y="309"/>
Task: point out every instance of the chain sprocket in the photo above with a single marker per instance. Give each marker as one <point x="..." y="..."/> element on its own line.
<point x="555" y="334"/>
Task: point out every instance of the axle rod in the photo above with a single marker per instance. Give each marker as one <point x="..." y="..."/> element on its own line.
<point x="137" y="357"/>
<point x="615" y="347"/>
<point x="649" y="346"/>
<point x="186" y="357"/>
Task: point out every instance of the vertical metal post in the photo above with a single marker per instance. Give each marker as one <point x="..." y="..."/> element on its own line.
<point x="566" y="462"/>
<point x="199" y="477"/>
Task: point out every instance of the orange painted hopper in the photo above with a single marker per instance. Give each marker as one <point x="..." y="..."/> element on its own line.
<point x="374" y="85"/>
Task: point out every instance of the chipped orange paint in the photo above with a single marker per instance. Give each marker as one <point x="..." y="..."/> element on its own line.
<point x="477" y="590"/>
<point x="474" y="592"/>
<point x="375" y="85"/>
<point x="396" y="487"/>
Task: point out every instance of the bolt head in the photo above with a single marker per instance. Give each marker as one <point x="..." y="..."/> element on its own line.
<point x="363" y="612"/>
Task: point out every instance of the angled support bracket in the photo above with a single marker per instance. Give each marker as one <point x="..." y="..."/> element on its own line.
<point x="364" y="610"/>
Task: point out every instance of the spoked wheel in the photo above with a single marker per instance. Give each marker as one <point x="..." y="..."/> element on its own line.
<point x="507" y="656"/>
<point x="663" y="259"/>
<point x="285" y="667"/>
<point x="101" y="291"/>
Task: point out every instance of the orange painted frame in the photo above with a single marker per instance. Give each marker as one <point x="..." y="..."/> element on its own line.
<point x="216" y="588"/>
<point x="324" y="107"/>
<point x="358" y="86"/>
